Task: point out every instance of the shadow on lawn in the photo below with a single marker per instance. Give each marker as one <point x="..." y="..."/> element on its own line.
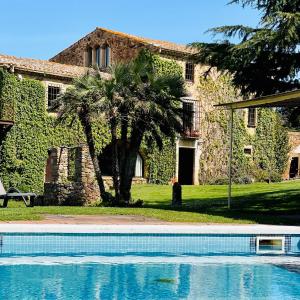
<point x="276" y="207"/>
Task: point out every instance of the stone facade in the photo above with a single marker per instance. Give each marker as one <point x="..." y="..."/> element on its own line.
<point x="124" y="47"/>
<point x="72" y="63"/>
<point x="294" y="154"/>
<point x="70" y="179"/>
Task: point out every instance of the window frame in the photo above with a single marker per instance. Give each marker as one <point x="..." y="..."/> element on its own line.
<point x="89" y="57"/>
<point x="188" y="128"/>
<point x="48" y="94"/>
<point x="190" y="71"/>
<point x="251" y="118"/>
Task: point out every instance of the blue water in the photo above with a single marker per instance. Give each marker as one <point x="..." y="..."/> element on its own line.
<point x="144" y="266"/>
<point x="148" y="281"/>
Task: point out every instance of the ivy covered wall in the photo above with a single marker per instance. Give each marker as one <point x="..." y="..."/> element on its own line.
<point x="23" y="153"/>
<point x="161" y="164"/>
<point x="269" y="141"/>
<point x="8" y="99"/>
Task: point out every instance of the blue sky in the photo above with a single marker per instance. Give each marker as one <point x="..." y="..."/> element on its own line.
<point x="40" y="29"/>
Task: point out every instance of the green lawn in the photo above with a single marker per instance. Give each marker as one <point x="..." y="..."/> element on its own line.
<point x="277" y="203"/>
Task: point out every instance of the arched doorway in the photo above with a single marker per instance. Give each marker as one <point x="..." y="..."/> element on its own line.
<point x="105" y="160"/>
<point x="294" y="167"/>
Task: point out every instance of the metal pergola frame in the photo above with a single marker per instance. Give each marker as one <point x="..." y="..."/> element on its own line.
<point x="287" y="99"/>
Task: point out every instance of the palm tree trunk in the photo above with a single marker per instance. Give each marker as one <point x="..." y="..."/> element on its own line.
<point x="129" y="163"/>
<point x="87" y="127"/>
<point x="115" y="160"/>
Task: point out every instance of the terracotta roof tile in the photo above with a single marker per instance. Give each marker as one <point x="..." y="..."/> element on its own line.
<point x="42" y="66"/>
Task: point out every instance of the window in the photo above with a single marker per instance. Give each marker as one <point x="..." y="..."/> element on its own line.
<point x="139" y="166"/>
<point x="251" y="117"/>
<point x="188" y="116"/>
<point x="189" y="71"/>
<point x="98" y="56"/>
<point x="103" y="56"/>
<point x="248" y="150"/>
<point x="53" y="93"/>
<point x="106" y="163"/>
<point x="107" y="56"/>
<point x="89" y="57"/>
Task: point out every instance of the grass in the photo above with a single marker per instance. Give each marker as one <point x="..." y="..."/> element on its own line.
<point x="277" y="203"/>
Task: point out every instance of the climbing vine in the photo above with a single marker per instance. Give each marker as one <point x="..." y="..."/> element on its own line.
<point x="23" y="153"/>
<point x="269" y="141"/>
<point x="271" y="146"/>
<point x="161" y="163"/>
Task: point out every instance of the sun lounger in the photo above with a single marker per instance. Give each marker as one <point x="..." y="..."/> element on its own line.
<point x="13" y="193"/>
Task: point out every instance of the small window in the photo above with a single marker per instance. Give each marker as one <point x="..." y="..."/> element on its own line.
<point x="103" y="56"/>
<point x="53" y="93"/>
<point x="107" y="56"/>
<point x="251" y="117"/>
<point x="98" y="56"/>
<point x="189" y="71"/>
<point x="248" y="150"/>
<point x="89" y="57"/>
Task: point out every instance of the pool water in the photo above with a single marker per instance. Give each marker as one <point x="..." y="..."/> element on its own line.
<point x="145" y="266"/>
<point x="214" y="278"/>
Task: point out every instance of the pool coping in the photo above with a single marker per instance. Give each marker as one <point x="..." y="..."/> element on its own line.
<point x="150" y="229"/>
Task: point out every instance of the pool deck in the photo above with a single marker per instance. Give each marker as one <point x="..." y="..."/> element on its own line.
<point x="152" y="229"/>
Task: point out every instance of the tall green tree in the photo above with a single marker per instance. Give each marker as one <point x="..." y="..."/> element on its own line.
<point x="266" y="59"/>
<point x="137" y="102"/>
<point x="151" y="111"/>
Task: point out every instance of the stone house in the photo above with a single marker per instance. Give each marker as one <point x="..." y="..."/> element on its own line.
<point x="104" y="47"/>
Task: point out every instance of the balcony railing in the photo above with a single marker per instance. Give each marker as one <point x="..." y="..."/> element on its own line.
<point x="191" y="118"/>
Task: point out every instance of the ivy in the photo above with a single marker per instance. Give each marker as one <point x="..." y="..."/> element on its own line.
<point x="271" y="146"/>
<point x="167" y="66"/>
<point x="270" y="141"/>
<point x="9" y="94"/>
<point x="161" y="163"/>
<point x="24" y="152"/>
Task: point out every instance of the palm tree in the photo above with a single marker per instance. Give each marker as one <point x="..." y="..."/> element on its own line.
<point x="135" y="101"/>
<point x="84" y="100"/>
<point x="151" y="108"/>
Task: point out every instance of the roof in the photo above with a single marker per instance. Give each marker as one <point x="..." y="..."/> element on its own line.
<point x="42" y="66"/>
<point x="157" y="43"/>
<point x="287" y="99"/>
<point x="168" y="46"/>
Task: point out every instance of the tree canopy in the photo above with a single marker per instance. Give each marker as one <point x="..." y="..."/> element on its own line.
<point x="266" y="59"/>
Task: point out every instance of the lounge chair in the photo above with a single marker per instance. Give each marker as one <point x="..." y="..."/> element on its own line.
<point x="13" y="193"/>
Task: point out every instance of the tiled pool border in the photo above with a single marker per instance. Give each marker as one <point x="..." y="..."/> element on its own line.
<point x="34" y="239"/>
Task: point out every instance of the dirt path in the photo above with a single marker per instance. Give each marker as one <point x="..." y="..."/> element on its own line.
<point x="93" y="219"/>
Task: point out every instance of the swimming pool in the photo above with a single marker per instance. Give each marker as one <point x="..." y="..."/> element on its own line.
<point x="139" y="265"/>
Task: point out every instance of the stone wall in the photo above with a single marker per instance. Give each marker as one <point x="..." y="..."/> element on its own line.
<point x="294" y="140"/>
<point x="121" y="48"/>
<point x="70" y="178"/>
<point x="70" y="182"/>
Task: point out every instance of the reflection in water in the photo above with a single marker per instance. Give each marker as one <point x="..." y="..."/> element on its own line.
<point x="148" y="281"/>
